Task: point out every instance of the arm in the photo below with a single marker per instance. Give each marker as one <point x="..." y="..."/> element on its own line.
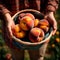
<point x="52" y="21"/>
<point x="51" y="8"/>
<point x="3" y="11"/>
<point x="5" y="15"/>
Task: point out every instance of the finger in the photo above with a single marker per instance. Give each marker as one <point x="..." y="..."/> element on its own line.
<point x="53" y="33"/>
<point x="55" y="29"/>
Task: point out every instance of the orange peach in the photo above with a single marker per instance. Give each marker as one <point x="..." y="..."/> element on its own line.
<point x="45" y="28"/>
<point x="36" y="22"/>
<point x="30" y="15"/>
<point x="36" y="35"/>
<point x="16" y="28"/>
<point x="20" y="34"/>
<point x="26" y="23"/>
<point x="44" y="24"/>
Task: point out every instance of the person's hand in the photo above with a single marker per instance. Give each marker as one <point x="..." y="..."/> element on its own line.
<point x="10" y="26"/>
<point x="10" y="23"/>
<point x="7" y="17"/>
<point x="52" y="21"/>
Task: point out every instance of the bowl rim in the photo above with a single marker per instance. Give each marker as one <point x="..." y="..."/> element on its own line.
<point x="30" y="43"/>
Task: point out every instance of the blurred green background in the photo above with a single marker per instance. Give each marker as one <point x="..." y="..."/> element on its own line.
<point x="53" y="49"/>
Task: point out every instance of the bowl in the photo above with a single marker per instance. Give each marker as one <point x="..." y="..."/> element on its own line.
<point x="25" y="43"/>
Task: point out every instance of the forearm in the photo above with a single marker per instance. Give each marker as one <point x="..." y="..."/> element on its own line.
<point x="51" y="7"/>
<point x="8" y="18"/>
<point x="4" y="13"/>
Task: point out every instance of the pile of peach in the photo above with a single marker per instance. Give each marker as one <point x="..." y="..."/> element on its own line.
<point x="35" y="27"/>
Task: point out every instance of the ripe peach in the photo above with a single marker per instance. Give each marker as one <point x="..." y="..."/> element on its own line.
<point x="36" y="35"/>
<point x="36" y="22"/>
<point x="26" y="23"/>
<point x="44" y="24"/>
<point x="45" y="28"/>
<point x="21" y="15"/>
<point x="20" y="34"/>
<point x="16" y="28"/>
<point x="30" y="15"/>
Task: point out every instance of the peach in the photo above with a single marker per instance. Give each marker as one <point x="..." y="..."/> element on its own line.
<point x="20" y="34"/>
<point x="21" y="15"/>
<point x="26" y="23"/>
<point x="30" y="15"/>
<point x="36" y="22"/>
<point x="16" y="28"/>
<point x="36" y="35"/>
<point x="44" y="24"/>
<point x="45" y="28"/>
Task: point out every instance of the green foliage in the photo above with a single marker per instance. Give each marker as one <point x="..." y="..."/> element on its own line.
<point x="3" y="48"/>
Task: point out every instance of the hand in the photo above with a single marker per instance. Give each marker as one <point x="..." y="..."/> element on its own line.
<point x="5" y="13"/>
<point x="52" y="21"/>
<point x="10" y="26"/>
<point x="10" y="23"/>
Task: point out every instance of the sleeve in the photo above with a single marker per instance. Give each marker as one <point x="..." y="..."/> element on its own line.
<point x="52" y="5"/>
<point x="49" y="5"/>
<point x="3" y="10"/>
